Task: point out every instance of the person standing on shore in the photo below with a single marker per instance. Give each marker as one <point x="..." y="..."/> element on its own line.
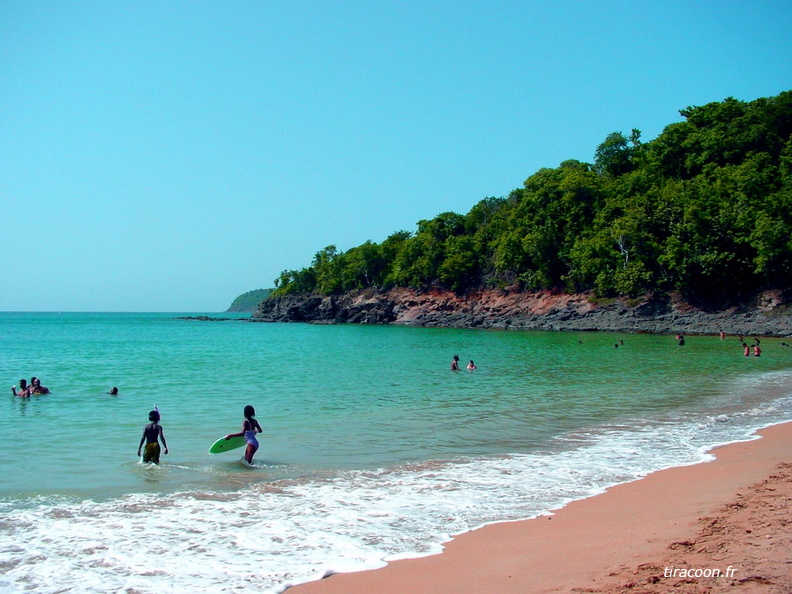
<point x="250" y="426"/>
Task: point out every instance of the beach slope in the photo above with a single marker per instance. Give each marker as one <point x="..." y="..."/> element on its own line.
<point x="719" y="526"/>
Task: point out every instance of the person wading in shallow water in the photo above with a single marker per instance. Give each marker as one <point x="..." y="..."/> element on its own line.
<point x="250" y="426"/>
<point x="152" y="433"/>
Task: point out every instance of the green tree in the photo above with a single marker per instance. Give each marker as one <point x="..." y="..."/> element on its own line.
<point x="703" y="209"/>
<point x="614" y="156"/>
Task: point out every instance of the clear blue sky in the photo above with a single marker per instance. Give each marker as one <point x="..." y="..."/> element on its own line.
<point x="168" y="156"/>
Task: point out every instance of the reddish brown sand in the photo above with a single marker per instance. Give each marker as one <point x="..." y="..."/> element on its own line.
<point x="733" y="514"/>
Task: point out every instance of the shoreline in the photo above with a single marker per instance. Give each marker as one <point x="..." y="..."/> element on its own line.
<point x="730" y="513"/>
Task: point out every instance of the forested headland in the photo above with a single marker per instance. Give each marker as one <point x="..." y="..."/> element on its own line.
<point x="247" y="302"/>
<point x="704" y="210"/>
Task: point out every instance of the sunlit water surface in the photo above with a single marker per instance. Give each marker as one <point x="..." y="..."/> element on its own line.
<point x="372" y="448"/>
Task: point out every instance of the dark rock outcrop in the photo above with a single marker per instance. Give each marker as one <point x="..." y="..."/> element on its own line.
<point x="206" y="318"/>
<point x="366" y="307"/>
<point x="768" y="315"/>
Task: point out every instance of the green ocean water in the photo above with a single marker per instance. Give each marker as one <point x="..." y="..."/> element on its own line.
<point x="330" y="397"/>
<point x="355" y="417"/>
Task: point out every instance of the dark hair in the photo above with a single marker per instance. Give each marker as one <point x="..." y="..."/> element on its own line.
<point x="249" y="412"/>
<point x="154" y="416"/>
<point x="22" y="384"/>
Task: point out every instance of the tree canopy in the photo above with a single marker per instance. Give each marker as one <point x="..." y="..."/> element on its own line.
<point x="704" y="209"/>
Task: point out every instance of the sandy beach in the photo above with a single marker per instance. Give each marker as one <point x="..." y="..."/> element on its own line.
<point x="719" y="526"/>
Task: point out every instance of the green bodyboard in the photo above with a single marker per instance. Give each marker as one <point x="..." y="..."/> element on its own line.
<point x="224" y="445"/>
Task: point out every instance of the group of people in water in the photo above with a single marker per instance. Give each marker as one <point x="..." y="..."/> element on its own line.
<point x="34" y="388"/>
<point x="756" y="350"/>
<point x="26" y="390"/>
<point x="153" y="434"/>
<point x="680" y="338"/>
<point x="455" y="364"/>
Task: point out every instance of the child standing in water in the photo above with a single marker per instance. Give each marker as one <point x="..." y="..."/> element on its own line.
<point x="250" y="426"/>
<point x="152" y="433"/>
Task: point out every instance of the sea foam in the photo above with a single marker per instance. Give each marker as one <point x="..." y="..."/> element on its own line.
<point x="271" y="535"/>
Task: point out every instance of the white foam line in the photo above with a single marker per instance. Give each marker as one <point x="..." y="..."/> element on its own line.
<point x="272" y="535"/>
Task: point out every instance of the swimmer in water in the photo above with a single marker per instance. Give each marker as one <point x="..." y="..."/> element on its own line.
<point x="152" y="433"/>
<point x="24" y="390"/>
<point x="36" y="387"/>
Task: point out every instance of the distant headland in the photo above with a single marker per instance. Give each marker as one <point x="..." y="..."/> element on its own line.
<point x="248" y="302"/>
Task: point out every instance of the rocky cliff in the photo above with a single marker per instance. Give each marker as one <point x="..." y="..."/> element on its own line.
<point x="768" y="315"/>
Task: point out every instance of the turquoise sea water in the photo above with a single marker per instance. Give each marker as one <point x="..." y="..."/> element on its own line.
<point x="372" y="448"/>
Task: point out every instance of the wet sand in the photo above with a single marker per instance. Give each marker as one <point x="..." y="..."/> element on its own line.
<point x="719" y="526"/>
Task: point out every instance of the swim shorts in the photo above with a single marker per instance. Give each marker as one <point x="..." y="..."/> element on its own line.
<point x="152" y="452"/>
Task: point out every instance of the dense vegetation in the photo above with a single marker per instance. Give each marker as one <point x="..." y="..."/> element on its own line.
<point x="249" y="301"/>
<point x="704" y="209"/>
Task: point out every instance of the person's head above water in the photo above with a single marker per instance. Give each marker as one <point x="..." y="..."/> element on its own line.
<point x="249" y="412"/>
<point x="154" y="416"/>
